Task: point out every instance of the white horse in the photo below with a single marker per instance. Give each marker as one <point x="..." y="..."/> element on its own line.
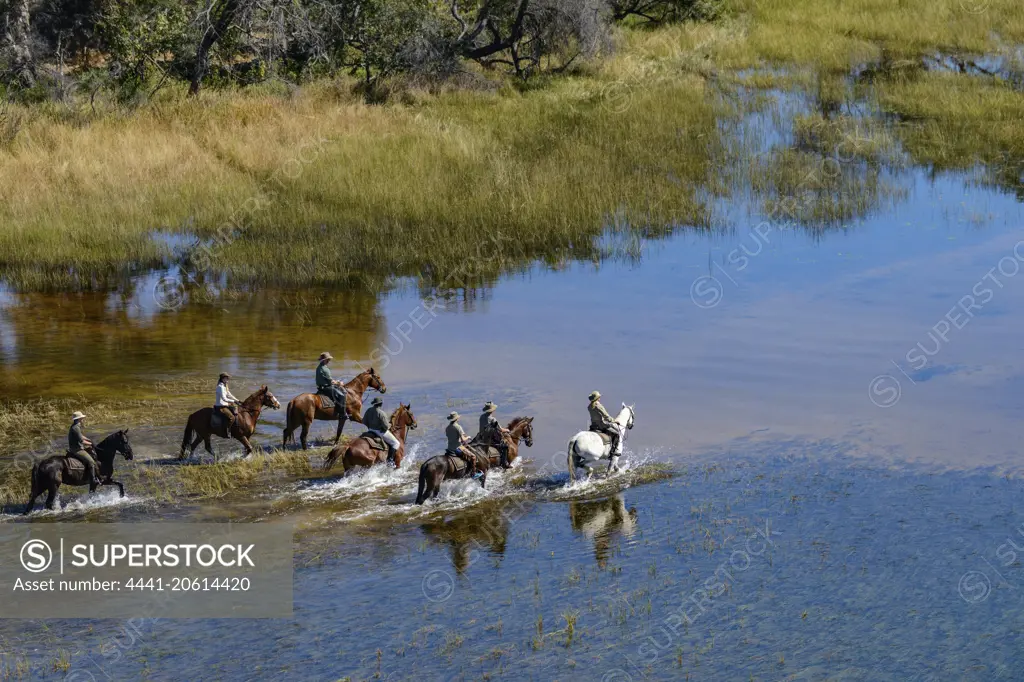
<point x="586" y="448"/>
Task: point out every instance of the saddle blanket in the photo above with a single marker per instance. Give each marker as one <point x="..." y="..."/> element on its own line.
<point x="375" y="440"/>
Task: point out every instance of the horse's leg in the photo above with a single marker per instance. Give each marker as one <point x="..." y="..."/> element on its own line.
<point x="31" y="501"/>
<point x="192" y="448"/>
<point x="245" y="443"/>
<point x="305" y="433"/>
<point x="341" y="425"/>
<point x="483" y="480"/>
<point x="111" y="481"/>
<point x="52" y="495"/>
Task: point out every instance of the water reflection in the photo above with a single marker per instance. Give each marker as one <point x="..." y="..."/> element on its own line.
<point x="484" y="529"/>
<point x="93" y="344"/>
<point x="605" y="522"/>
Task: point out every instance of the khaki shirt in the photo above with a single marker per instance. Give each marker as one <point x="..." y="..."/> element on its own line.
<point x="376" y="419"/>
<point x="323" y="376"/>
<point x="487" y="425"/>
<point x="455" y="434"/>
<point x="76" y="439"/>
<point x="599" y="416"/>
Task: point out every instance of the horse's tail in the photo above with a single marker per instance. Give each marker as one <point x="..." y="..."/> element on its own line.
<point x="421" y="494"/>
<point x="187" y="438"/>
<point x="35" y="480"/>
<point x="332" y="457"/>
<point x="289" y="430"/>
<point x="568" y="459"/>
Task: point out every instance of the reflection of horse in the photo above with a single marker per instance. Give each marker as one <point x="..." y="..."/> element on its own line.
<point x="599" y="520"/>
<point x="244" y="425"/>
<point x="449" y="467"/>
<point x="361" y="452"/>
<point x="587" y="447"/>
<point x="309" y="406"/>
<point x="50" y="473"/>
<point x="468" y="534"/>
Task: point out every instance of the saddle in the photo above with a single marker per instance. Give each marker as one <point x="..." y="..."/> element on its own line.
<point x="73" y="464"/>
<point x="605" y="438"/>
<point x="376" y="441"/>
<point x="325" y="401"/>
<point x="218" y="424"/>
<point x="456" y="465"/>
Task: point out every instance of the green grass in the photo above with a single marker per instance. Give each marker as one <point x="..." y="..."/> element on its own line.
<point x="458" y="187"/>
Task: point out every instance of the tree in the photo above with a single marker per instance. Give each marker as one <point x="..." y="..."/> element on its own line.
<point x="17" y="45"/>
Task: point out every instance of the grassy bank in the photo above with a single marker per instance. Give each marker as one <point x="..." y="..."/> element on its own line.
<point x="314" y="186"/>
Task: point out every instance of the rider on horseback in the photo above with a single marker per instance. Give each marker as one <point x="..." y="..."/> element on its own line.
<point x="458" y="442"/>
<point x="602" y="422"/>
<point x="377" y="420"/>
<point x="226" y="404"/>
<point x="491" y="431"/>
<point x="80" y="448"/>
<point x="327" y="385"/>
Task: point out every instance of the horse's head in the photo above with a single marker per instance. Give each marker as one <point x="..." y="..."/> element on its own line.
<point x="376" y="382"/>
<point x="403" y="416"/>
<point x="525" y="426"/>
<point x="627" y="414"/>
<point x="267" y="398"/>
<point x="119" y="443"/>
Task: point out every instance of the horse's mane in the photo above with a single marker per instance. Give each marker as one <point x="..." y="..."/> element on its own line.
<point x="515" y="422"/>
<point x="107" y="442"/>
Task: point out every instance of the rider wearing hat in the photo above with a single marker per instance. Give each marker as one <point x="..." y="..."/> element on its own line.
<point x="491" y="430"/>
<point x="377" y="420"/>
<point x="327" y="385"/>
<point x="80" y="448"/>
<point x="602" y="422"/>
<point x="226" y="403"/>
<point x="457" y="440"/>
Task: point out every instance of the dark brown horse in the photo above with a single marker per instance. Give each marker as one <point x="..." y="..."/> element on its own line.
<point x="359" y="452"/>
<point x="199" y="427"/>
<point x="48" y="474"/>
<point x="447" y="468"/>
<point x="306" y="407"/>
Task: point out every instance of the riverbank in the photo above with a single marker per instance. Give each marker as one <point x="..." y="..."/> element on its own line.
<point x="311" y="185"/>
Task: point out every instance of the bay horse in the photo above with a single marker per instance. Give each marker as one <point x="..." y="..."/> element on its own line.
<point x="198" y="428"/>
<point x="308" y="406"/>
<point x="520" y="429"/>
<point x="359" y="453"/>
<point x="48" y="474"/>
<point x="447" y="467"/>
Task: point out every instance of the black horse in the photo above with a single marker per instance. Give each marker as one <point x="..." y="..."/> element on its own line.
<point x="48" y="474"/>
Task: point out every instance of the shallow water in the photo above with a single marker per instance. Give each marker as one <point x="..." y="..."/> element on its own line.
<point x="848" y="396"/>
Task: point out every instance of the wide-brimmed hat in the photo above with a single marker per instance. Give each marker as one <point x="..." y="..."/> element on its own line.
<point x="594" y="396"/>
<point x="75" y="416"/>
<point x="453" y="416"/>
<point x="490" y="407"/>
<point x="326" y="356"/>
<point x="224" y="375"/>
<point x="377" y="401"/>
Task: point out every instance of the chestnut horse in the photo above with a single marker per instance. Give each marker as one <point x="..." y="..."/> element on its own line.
<point x="358" y="453"/>
<point x="447" y="467"/>
<point x="241" y="429"/>
<point x="307" y="407"/>
<point x="520" y="429"/>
